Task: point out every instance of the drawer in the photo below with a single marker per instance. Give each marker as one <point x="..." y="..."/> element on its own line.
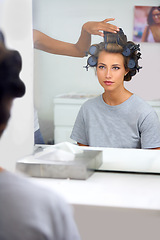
<point x="62" y="134"/>
<point x="156" y="105"/>
<point x="65" y="115"/>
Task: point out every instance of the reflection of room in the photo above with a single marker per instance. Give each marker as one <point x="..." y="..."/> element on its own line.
<point x="56" y="75"/>
<point x="108" y="205"/>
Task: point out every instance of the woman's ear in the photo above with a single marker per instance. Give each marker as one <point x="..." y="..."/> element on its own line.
<point x="126" y="73"/>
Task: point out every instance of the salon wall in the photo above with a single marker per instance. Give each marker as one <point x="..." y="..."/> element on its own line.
<point x="55" y="74"/>
<point x="16" y="24"/>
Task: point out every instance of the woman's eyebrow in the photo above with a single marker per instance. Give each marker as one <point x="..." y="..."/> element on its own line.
<point x="102" y="63"/>
<point x="116" y="64"/>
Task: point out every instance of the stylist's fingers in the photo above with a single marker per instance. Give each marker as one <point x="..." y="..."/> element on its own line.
<point x="97" y="28"/>
<point x="108" y="19"/>
<point x="109" y="27"/>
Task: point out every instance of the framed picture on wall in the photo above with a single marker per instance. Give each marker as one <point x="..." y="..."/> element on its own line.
<point x="146" y="24"/>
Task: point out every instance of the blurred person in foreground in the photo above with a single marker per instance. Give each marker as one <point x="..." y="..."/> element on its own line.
<point x="27" y="211"/>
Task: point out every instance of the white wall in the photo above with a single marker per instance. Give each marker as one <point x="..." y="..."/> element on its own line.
<point x="60" y="74"/>
<point x="16" y="24"/>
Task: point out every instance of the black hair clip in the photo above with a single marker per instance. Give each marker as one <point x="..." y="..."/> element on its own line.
<point x="138" y="68"/>
<point x="92" y="61"/>
<point x="138" y="55"/>
<point x="86" y="67"/>
<point x="118" y="36"/>
<point x="129" y="49"/>
<point x="131" y="64"/>
<point x="93" y="50"/>
<point x="126" y="52"/>
<point x="133" y="72"/>
<point x="136" y="47"/>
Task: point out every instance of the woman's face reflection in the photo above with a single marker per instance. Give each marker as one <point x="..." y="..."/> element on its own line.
<point x="156" y="16"/>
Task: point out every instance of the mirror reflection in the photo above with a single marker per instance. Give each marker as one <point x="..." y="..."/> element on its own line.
<point x="61" y="83"/>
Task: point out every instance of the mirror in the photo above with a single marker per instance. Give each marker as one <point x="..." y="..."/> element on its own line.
<point x="62" y="75"/>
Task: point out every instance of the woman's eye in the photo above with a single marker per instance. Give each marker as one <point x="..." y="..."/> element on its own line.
<point x="116" y="68"/>
<point x="101" y="66"/>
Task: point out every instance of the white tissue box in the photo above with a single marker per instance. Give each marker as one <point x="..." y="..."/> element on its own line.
<point x="74" y="164"/>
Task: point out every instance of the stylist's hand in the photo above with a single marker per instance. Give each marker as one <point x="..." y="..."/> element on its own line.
<point x="97" y="28"/>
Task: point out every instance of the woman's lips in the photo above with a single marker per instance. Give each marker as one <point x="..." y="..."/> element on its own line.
<point x="108" y="83"/>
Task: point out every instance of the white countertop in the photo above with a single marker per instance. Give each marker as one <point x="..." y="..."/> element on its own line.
<point x="114" y="189"/>
<point x="109" y="189"/>
<point x="112" y="205"/>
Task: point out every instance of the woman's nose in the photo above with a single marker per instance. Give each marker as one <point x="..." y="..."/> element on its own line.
<point x="108" y="73"/>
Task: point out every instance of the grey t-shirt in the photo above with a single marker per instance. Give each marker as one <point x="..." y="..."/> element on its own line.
<point x="30" y="212"/>
<point x="131" y="124"/>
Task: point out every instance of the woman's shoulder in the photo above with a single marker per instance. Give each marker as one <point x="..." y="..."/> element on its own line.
<point x="92" y="101"/>
<point x="142" y="104"/>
